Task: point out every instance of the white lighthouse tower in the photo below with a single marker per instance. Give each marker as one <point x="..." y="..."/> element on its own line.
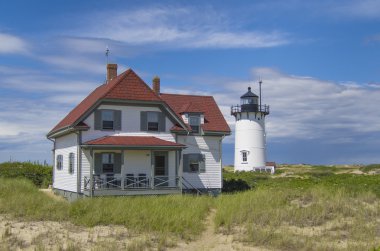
<point x="250" y="132"/>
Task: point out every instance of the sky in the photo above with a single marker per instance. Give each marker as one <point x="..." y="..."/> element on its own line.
<point x="318" y="60"/>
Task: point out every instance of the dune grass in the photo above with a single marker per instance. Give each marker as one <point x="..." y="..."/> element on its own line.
<point x="180" y="216"/>
<point x="316" y="218"/>
<point x="21" y="198"/>
<point x="372" y="167"/>
<point x="314" y="212"/>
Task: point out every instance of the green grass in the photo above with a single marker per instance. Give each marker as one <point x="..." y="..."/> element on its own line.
<point x="180" y="216"/>
<point x="315" y="210"/>
<point x="282" y="218"/>
<point x="21" y="198"/>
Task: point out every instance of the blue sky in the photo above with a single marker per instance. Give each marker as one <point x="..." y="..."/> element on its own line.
<point x="319" y="61"/>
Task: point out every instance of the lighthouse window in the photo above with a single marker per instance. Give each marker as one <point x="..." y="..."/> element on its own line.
<point x="244" y="155"/>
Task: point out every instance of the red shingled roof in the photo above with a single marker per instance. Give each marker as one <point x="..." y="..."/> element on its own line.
<point x="214" y="120"/>
<point x="129" y="86"/>
<point x="133" y="141"/>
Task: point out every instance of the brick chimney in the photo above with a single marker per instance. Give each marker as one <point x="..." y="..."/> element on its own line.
<point x="111" y="71"/>
<point x="156" y="85"/>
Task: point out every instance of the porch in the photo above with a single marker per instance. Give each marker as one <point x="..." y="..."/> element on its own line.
<point x="116" y="184"/>
<point x="132" y="166"/>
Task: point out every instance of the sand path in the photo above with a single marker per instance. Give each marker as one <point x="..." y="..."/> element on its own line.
<point x="210" y="240"/>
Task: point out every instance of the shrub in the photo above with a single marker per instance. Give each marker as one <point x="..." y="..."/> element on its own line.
<point x="234" y="185"/>
<point x="40" y="175"/>
<point x="241" y="181"/>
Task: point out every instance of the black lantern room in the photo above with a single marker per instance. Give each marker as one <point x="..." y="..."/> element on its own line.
<point x="249" y="101"/>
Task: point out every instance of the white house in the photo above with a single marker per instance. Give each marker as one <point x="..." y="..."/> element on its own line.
<point x="125" y="138"/>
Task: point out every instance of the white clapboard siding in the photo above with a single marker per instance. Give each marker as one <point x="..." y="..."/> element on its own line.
<point x="210" y="147"/>
<point x="62" y="178"/>
<point x="86" y="159"/>
<point x="130" y="124"/>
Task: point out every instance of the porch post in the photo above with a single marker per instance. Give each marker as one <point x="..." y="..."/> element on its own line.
<point x="92" y="173"/>
<point x="151" y="169"/>
<point x="122" y="173"/>
<point x="180" y="169"/>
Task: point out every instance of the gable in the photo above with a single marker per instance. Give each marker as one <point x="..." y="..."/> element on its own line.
<point x="213" y="118"/>
<point x="126" y="86"/>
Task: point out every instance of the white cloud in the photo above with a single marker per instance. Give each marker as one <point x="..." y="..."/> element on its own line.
<point x="75" y="63"/>
<point x="307" y="108"/>
<point x="38" y="83"/>
<point x="358" y="8"/>
<point x="12" y="44"/>
<point x="178" y="28"/>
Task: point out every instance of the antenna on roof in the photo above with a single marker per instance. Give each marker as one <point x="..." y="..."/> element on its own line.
<point x="260" y="82"/>
<point x="107" y="52"/>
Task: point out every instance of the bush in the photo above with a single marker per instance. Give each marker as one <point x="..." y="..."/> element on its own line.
<point x="233" y="185"/>
<point x="40" y="175"/>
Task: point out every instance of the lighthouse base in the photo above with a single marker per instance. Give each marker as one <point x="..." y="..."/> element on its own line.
<point x="265" y="169"/>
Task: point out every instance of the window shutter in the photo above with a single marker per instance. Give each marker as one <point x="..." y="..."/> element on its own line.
<point x="98" y="119"/>
<point x="202" y="163"/>
<point x="98" y="163"/>
<point x="161" y="123"/>
<point x="186" y="163"/>
<point x="143" y="121"/>
<point x="117" y="120"/>
<point x="117" y="163"/>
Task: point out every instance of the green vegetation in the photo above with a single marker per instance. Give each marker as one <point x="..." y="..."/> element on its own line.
<point x="21" y="198"/>
<point x="40" y="175"/>
<point x="181" y="216"/>
<point x="314" y="218"/>
<point x="312" y="209"/>
<point x="301" y="208"/>
<point x="372" y="167"/>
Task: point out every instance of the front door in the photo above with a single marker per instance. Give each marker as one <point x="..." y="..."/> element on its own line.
<point x="161" y="169"/>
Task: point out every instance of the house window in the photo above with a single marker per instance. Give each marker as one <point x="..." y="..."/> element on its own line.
<point x="194" y="163"/>
<point x="71" y="163"/>
<point x="153" y="120"/>
<point x="108" y="162"/>
<point x="107" y="119"/>
<point x="195" y="123"/>
<point x="59" y="161"/>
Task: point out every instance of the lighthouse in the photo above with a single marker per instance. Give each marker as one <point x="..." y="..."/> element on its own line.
<point x="250" y="142"/>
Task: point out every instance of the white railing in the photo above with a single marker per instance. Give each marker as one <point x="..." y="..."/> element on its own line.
<point x="131" y="182"/>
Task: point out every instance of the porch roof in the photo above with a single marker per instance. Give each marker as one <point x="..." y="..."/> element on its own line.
<point x="132" y="142"/>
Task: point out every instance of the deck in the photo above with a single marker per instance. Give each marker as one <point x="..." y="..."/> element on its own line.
<point x="114" y="185"/>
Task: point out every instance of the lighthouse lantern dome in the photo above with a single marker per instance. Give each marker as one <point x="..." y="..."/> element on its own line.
<point x="249" y="101"/>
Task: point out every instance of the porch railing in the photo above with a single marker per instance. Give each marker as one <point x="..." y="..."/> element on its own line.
<point x="131" y="182"/>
